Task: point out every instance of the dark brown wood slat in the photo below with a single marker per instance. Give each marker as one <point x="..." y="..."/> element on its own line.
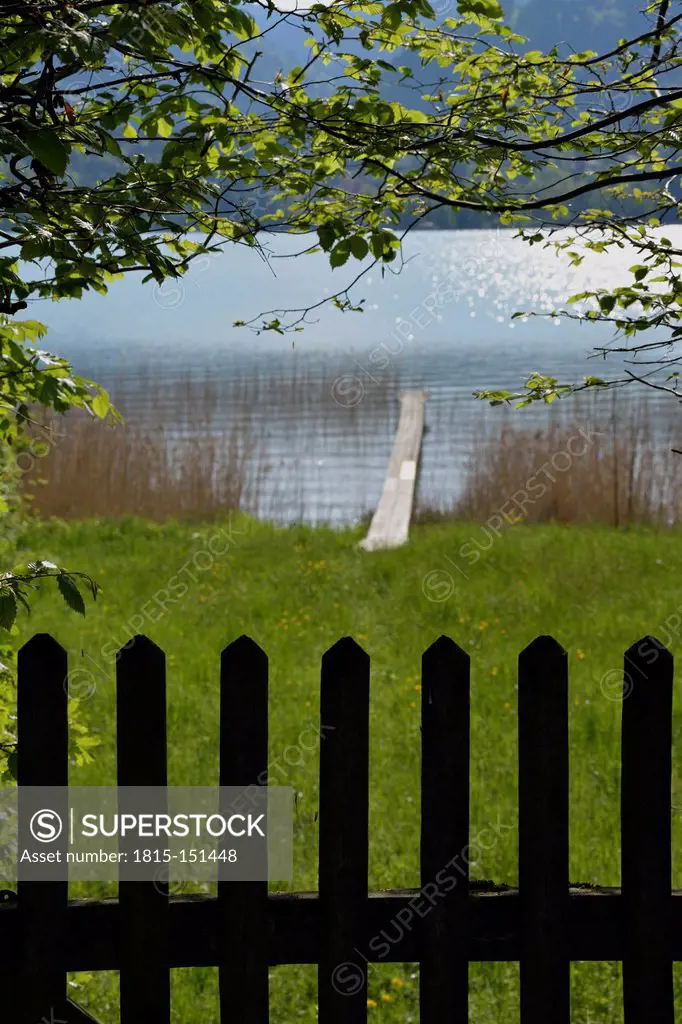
<point x="543" y="832"/>
<point x="141" y="759"/>
<point x="594" y="927"/>
<point x="243" y="906"/>
<point x="42" y="711"/>
<point x="444" y="972"/>
<point x="343" y="834"/>
<point x="646" y="832"/>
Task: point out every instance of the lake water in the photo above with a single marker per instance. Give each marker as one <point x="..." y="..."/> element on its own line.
<point x="443" y="324"/>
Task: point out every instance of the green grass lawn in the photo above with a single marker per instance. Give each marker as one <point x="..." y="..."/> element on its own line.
<point x="296" y="591"/>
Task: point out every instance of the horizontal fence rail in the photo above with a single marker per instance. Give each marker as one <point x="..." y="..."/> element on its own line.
<point x="545" y="923"/>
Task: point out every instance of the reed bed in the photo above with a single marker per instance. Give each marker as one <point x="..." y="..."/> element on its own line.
<point x="190" y="470"/>
<point x="587" y="465"/>
<point x="283" y="448"/>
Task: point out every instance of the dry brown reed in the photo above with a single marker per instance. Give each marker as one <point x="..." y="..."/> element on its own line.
<point x="601" y="465"/>
<point x="191" y="470"/>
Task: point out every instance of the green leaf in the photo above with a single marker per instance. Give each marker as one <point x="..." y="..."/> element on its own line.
<point x="46" y="146"/>
<point x="164" y="128"/>
<point x="339" y="254"/>
<point x="100" y="405"/>
<point x="326" y="236"/>
<point x="358" y="246"/>
<point x="71" y="594"/>
<point x="391" y="16"/>
<point x="8" y="609"/>
<point x="488" y="8"/>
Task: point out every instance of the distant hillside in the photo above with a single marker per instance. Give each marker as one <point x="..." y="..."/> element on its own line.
<point x="578" y="24"/>
<point x="575" y="24"/>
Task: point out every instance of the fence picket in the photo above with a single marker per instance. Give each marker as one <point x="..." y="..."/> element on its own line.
<point x="543" y="832"/>
<point x="646" y="832"/>
<point x="43" y="760"/>
<point x="141" y="760"/>
<point x="243" y="906"/>
<point x="343" y="835"/>
<point x="444" y="972"/>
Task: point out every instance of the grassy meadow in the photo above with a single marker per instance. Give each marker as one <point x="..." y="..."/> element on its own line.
<point x="295" y="591"/>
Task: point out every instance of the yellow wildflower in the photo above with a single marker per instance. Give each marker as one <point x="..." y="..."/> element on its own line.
<point x="386" y="998"/>
<point x="397" y="982"/>
<point x="371" y="1003"/>
<point x="579" y="654"/>
<point x="494" y="670"/>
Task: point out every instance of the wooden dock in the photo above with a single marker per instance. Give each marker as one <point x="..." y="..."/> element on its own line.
<point x="391" y="521"/>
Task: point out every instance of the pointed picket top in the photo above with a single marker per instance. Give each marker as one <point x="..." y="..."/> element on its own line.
<point x="344" y="696"/>
<point x="646" y="652"/>
<point x="42" y="713"/>
<point x="42" y="720"/>
<point x="544" y="646"/>
<point x="445" y="650"/>
<point x="243" y="713"/>
<point x="138" y="650"/>
<point x="646" y="662"/>
<point x="243" y="649"/>
<point x="41" y="646"/>
<point x="141" y="714"/>
<point x="445" y="668"/>
<point x="346" y="651"/>
<point x="542" y="680"/>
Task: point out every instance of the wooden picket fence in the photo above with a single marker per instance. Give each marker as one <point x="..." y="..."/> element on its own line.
<point x="544" y="924"/>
